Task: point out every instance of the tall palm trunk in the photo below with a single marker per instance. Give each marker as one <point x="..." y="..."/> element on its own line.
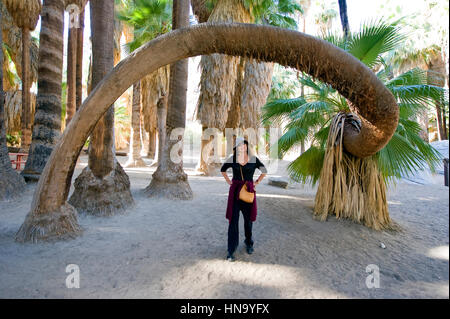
<point x="134" y="155"/>
<point x="47" y="119"/>
<point x="436" y="76"/>
<point x="11" y="183"/>
<point x="71" y="73"/>
<point x="151" y="151"/>
<point x="79" y="64"/>
<point x="25" y="120"/>
<point x="344" y="17"/>
<point x="169" y="179"/>
<point x="102" y="188"/>
<point x="161" y="115"/>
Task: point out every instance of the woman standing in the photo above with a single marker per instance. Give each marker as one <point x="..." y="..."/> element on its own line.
<point x="244" y="166"/>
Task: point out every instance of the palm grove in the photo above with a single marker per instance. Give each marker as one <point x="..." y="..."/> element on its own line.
<point x="349" y="162"/>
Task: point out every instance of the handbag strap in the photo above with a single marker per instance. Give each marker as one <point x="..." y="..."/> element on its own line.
<point x="241" y="171"/>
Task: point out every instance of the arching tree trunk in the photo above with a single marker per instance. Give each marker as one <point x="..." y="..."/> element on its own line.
<point x="102" y="188"/>
<point x="134" y="155"/>
<point x="11" y="183"/>
<point x="47" y="119"/>
<point x="169" y="179"/>
<point x="50" y="216"/>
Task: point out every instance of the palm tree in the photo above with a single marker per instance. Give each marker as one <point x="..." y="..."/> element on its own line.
<point x="102" y="188"/>
<point x="344" y="17"/>
<point x="318" y="117"/>
<point x="47" y="120"/>
<point x="72" y="60"/>
<point x="149" y="19"/>
<point x="169" y="180"/>
<point x="11" y="183"/>
<point x="79" y="63"/>
<point x="25" y="15"/>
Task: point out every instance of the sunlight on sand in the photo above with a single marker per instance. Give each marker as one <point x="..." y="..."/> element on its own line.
<point x="209" y="275"/>
<point x="440" y="252"/>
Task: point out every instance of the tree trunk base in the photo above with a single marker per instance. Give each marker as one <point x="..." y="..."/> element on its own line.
<point x="212" y="169"/>
<point x="59" y="225"/>
<point x="105" y="196"/>
<point x="11" y="184"/>
<point x="154" y="163"/>
<point x="175" y="188"/>
<point x="138" y="162"/>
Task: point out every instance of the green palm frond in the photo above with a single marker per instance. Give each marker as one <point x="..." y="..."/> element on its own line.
<point x="149" y="18"/>
<point x="399" y="158"/>
<point x="411" y="88"/>
<point x="277" y="110"/>
<point x="374" y="39"/>
<point x="306" y="168"/>
<point x="292" y="137"/>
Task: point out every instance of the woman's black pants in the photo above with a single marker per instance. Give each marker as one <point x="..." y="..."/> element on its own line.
<point x="233" y="228"/>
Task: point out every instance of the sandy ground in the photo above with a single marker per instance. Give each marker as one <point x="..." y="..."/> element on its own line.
<point x="177" y="249"/>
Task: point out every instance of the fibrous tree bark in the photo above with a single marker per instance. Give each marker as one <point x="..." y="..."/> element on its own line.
<point x="217" y="85"/>
<point x="47" y="119"/>
<point x="11" y="183"/>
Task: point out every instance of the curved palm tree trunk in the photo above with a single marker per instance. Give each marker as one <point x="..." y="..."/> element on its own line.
<point x="103" y="187"/>
<point x="169" y="179"/>
<point x="134" y="155"/>
<point x="11" y="183"/>
<point x="47" y="119"/>
<point x="50" y="216"/>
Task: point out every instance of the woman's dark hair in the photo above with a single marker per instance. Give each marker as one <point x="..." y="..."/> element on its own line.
<point x="234" y="150"/>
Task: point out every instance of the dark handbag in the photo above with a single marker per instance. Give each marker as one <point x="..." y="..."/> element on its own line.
<point x="244" y="194"/>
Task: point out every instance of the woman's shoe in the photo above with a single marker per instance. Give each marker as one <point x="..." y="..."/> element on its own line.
<point x="249" y="249"/>
<point x="231" y="257"/>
